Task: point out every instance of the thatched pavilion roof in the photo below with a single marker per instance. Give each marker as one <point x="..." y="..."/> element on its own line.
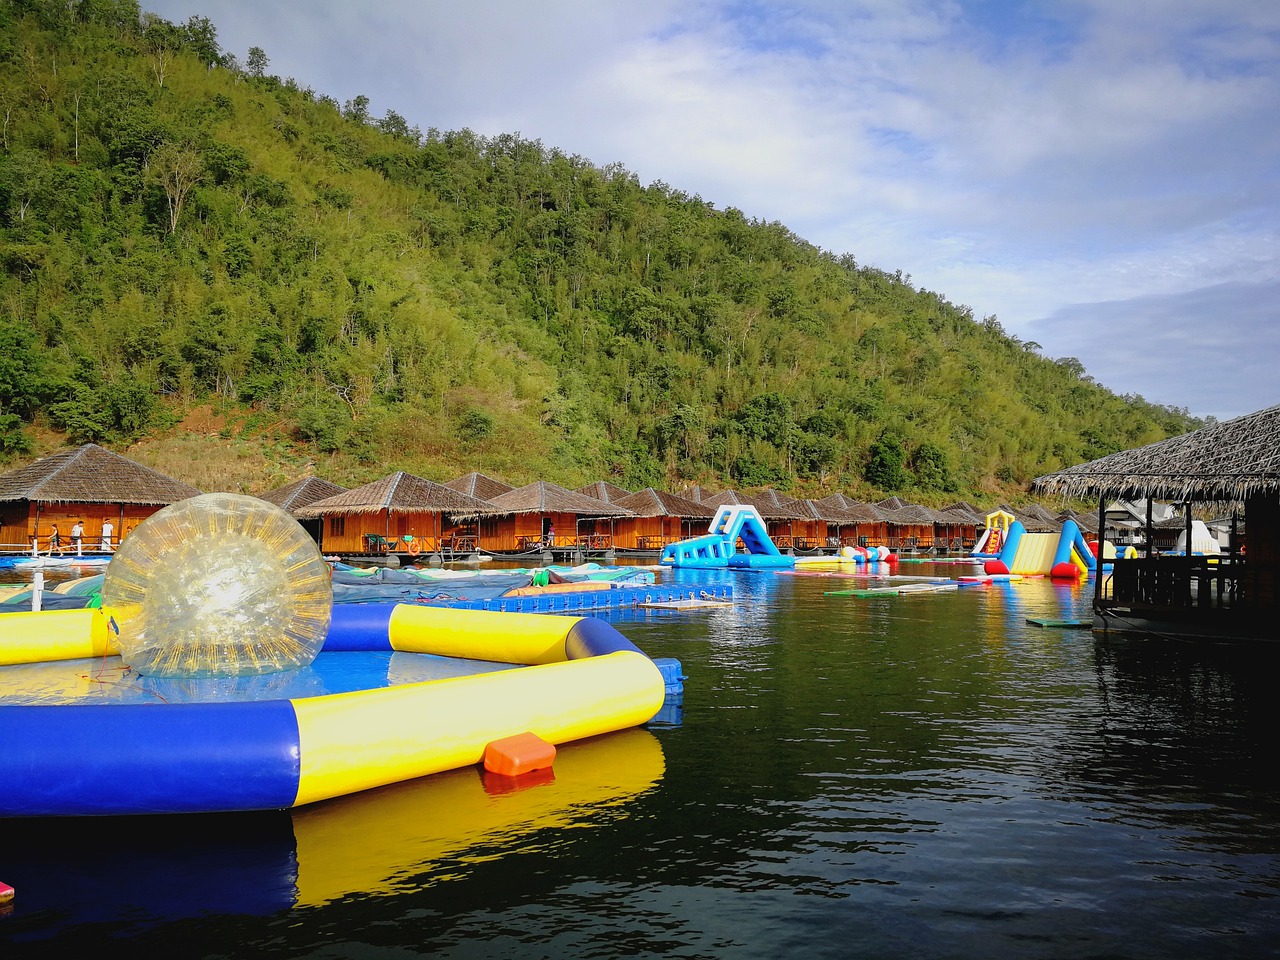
<point x="604" y="490"/>
<point x="400" y="493"/>
<point x="302" y="492"/>
<point x="544" y="497"/>
<point x="479" y="485"/>
<point x="91" y="474"/>
<point x="657" y="503"/>
<point x="1233" y="460"/>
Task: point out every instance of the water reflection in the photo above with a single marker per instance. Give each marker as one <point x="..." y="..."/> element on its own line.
<point x="910" y="776"/>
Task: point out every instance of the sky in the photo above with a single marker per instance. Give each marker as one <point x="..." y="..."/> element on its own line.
<point x="1102" y="176"/>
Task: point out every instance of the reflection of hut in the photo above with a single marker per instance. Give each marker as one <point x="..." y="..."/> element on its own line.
<point x="659" y="518"/>
<point x="87" y="484"/>
<point x="303" y="493"/>
<point x="398" y="514"/>
<point x="604" y="490"/>
<point x="533" y="515"/>
<point x="1230" y="463"/>
<point x="479" y="485"/>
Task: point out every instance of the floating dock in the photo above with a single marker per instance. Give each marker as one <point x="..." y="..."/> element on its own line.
<point x="618" y="597"/>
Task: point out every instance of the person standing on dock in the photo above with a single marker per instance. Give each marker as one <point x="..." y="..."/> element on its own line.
<point x="77" y="536"/>
<point x="55" y="540"/>
<point x="107" y="531"/>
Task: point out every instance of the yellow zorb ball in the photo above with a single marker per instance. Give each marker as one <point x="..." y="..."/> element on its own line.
<point x="220" y="585"/>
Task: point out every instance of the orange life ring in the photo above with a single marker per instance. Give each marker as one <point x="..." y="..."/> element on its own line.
<point x="414" y="547"/>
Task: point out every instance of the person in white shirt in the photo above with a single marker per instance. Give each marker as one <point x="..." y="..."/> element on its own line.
<point x="107" y="531"/>
<point x="77" y="535"/>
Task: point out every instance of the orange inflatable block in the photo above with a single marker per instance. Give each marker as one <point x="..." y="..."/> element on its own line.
<point x="512" y="756"/>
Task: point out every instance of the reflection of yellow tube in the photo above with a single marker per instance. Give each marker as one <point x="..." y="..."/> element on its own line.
<point x="353" y="741"/>
<point x="54" y="635"/>
<point x="378" y="842"/>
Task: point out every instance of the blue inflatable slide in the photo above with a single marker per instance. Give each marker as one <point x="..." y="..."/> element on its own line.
<point x="718" y="548"/>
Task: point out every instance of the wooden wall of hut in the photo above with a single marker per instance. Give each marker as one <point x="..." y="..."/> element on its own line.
<point x="357" y="533"/>
<point x="24" y="519"/>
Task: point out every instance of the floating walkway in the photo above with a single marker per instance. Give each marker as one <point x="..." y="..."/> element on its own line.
<point x="916" y="585"/>
<point x="615" y="598"/>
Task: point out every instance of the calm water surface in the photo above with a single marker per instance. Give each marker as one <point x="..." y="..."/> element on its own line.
<point x="916" y="776"/>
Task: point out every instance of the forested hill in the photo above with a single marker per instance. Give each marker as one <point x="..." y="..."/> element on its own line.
<point x="179" y="230"/>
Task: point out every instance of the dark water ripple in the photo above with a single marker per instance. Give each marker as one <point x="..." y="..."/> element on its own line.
<point x="923" y="777"/>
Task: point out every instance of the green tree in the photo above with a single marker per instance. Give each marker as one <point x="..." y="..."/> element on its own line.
<point x="885" y="462"/>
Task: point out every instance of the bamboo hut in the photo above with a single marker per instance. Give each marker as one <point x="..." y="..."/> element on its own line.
<point x="812" y="529"/>
<point x="958" y="523"/>
<point x="86" y="484"/>
<point x="400" y="514"/>
<point x="1235" y="463"/>
<point x="543" y="515"/>
<point x="911" y="525"/>
<point x="479" y="485"/>
<point x="660" y="518"/>
<point x="780" y="514"/>
<point x="859" y="524"/>
<point x="301" y="493"/>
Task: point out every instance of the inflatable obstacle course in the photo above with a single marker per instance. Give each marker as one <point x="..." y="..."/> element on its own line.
<point x="718" y="547"/>
<point x="1063" y="555"/>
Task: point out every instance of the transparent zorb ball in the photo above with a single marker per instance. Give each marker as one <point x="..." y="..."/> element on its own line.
<point x="219" y="585"/>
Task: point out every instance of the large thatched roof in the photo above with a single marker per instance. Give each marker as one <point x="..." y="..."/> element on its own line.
<point x="90" y="474"/>
<point x="479" y="485"/>
<point x="399" y="493"/>
<point x="604" y="490"/>
<point x="657" y="503"/>
<point x="773" y="506"/>
<point x="544" y="497"/>
<point x="1233" y="460"/>
<point x="301" y="493"/>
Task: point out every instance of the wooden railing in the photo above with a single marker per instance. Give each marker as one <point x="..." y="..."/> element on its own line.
<point x="1181" y="582"/>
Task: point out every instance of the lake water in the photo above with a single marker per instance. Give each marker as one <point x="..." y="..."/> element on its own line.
<point x="909" y="776"/>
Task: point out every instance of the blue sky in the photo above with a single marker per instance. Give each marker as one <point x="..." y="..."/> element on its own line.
<point x="1103" y="176"/>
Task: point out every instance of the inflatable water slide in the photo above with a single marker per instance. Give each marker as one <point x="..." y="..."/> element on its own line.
<point x="718" y="547"/>
<point x="1062" y="555"/>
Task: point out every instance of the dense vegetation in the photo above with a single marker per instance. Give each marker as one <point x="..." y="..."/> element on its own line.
<point x="178" y="228"/>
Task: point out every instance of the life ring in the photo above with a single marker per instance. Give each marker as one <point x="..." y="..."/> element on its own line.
<point x="414" y="547"/>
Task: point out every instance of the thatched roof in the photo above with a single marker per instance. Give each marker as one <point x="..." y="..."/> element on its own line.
<point x="543" y="497"/>
<point x="302" y="492"/>
<point x="851" y="511"/>
<point x="400" y="493"/>
<point x="773" y="506"/>
<point x="1233" y="460"/>
<point x="479" y="485"/>
<point x="90" y="474"/>
<point x="891" y="503"/>
<point x="603" y="490"/>
<point x="914" y="514"/>
<point x="657" y="503"/>
<point x="966" y="509"/>
<point x="723" y="498"/>
<point x="962" y="512"/>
